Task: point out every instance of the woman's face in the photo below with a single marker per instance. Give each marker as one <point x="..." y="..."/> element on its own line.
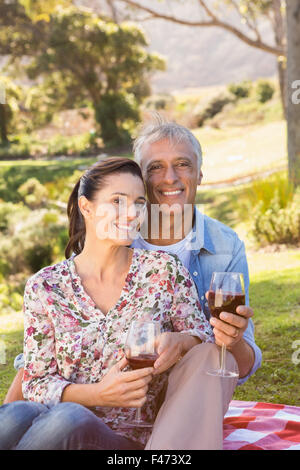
<point x="117" y="210"/>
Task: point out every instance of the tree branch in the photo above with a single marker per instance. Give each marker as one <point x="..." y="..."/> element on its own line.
<point x="214" y="22"/>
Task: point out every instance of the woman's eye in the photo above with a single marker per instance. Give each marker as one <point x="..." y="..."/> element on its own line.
<point x="140" y="206"/>
<point x="119" y="202"/>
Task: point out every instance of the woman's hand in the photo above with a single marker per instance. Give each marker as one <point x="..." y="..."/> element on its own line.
<point x="123" y="389"/>
<point x="171" y="346"/>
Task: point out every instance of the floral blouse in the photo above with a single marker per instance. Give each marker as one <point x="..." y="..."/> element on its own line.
<point x="67" y="339"/>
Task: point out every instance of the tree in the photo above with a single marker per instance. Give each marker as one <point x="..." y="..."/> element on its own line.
<point x="10" y="95"/>
<point x="250" y="14"/>
<point x="293" y="102"/>
<point x="85" y="58"/>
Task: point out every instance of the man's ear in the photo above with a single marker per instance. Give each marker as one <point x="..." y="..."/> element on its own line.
<point x="200" y="176"/>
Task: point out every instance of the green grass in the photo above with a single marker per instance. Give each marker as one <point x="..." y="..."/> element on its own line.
<point x="13" y="174"/>
<point x="275" y="298"/>
<point x="11" y="332"/>
<point x="29" y="145"/>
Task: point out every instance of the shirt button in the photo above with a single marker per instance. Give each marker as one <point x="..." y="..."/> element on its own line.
<point x="202" y="297"/>
<point x="195" y="273"/>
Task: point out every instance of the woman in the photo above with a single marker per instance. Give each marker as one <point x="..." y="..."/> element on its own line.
<point x="77" y="314"/>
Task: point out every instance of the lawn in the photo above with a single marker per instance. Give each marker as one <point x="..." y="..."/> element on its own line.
<point x="275" y="297"/>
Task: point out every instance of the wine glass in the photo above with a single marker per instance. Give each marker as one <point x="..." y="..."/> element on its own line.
<point x="140" y="351"/>
<point x="226" y="293"/>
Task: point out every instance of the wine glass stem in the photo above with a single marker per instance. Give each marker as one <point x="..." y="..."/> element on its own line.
<point x="138" y="415"/>
<point x="223" y="356"/>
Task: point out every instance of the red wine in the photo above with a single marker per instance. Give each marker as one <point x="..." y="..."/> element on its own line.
<point x="225" y="302"/>
<point x="141" y="361"/>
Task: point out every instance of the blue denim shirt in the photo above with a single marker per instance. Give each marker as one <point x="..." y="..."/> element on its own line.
<point x="216" y="247"/>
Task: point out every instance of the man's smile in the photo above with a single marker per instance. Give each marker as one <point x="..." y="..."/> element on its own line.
<point x="174" y="192"/>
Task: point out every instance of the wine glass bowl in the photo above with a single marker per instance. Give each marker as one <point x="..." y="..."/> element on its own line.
<point x="140" y="352"/>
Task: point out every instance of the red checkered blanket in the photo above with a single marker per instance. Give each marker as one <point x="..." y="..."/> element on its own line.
<point x="252" y="425"/>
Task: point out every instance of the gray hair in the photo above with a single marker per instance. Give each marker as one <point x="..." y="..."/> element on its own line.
<point x="160" y="129"/>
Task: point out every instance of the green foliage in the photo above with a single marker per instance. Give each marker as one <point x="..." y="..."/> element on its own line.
<point x="211" y="109"/>
<point x="264" y="191"/>
<point x="83" y="58"/>
<point x="112" y="110"/>
<point x="33" y="193"/>
<point x="30" y="240"/>
<point x="264" y="91"/>
<point x="240" y="90"/>
<point x="161" y="101"/>
<point x="268" y="209"/>
<point x="10" y="299"/>
<point x="54" y="174"/>
<point x="10" y="109"/>
<point x="38" y="256"/>
<point x="277" y="224"/>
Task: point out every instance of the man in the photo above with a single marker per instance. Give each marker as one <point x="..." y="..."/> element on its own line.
<point x="171" y="158"/>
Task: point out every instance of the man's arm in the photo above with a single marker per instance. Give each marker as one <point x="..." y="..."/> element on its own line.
<point x="15" y="390"/>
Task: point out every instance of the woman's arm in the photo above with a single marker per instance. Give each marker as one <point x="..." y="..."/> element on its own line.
<point x="15" y="390"/>
<point x="41" y="380"/>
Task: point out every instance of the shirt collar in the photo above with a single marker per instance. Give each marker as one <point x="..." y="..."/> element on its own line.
<point x="201" y="239"/>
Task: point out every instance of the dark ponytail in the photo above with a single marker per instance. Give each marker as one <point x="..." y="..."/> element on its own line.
<point x="90" y="182"/>
<point x="76" y="224"/>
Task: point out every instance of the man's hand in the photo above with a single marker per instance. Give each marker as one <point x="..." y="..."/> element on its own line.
<point x="171" y="346"/>
<point x="230" y="327"/>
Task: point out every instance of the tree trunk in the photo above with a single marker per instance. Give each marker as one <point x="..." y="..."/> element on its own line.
<point x="279" y="28"/>
<point x="3" y="129"/>
<point x="281" y="69"/>
<point x="293" y="94"/>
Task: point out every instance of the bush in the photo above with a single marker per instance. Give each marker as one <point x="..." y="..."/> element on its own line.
<point x="33" y="193"/>
<point x="263" y="192"/>
<point x="214" y="106"/>
<point x="34" y="241"/>
<point x="38" y="256"/>
<point x="264" y="91"/>
<point x="161" y="101"/>
<point x="240" y="90"/>
<point x="277" y="224"/>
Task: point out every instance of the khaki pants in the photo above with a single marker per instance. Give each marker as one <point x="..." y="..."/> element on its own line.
<point x="191" y="416"/>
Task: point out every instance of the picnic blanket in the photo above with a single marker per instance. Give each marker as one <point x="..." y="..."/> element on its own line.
<point x="252" y="425"/>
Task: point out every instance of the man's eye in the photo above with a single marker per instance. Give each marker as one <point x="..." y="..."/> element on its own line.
<point x="183" y="164"/>
<point x="154" y="167"/>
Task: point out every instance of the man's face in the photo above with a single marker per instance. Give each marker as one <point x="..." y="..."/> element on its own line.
<point x="170" y="172"/>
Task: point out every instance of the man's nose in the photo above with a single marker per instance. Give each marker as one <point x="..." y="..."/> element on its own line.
<point x="170" y="175"/>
